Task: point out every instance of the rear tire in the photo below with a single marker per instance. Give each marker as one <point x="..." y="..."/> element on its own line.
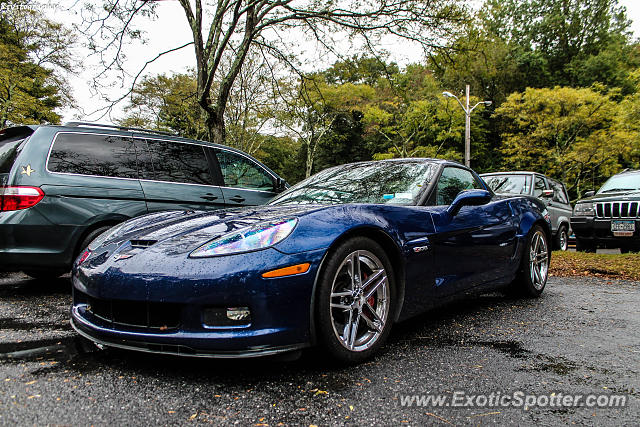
<point x="561" y="241"/>
<point x="44" y="274"/>
<point x="583" y="245"/>
<point x="356" y="300"/>
<point x="53" y="273"/>
<point x="534" y="265"/>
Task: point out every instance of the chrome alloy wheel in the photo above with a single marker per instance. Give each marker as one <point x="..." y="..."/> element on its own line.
<point x="564" y="240"/>
<point x="359" y="300"/>
<point x="538" y="260"/>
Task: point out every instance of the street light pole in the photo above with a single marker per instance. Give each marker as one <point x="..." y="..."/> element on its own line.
<point x="467" y="133"/>
<point x="467" y="123"/>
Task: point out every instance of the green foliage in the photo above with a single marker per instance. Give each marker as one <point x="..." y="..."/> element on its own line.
<point x="32" y="51"/>
<point x="282" y="155"/>
<point x="571" y="134"/>
<point x="166" y="103"/>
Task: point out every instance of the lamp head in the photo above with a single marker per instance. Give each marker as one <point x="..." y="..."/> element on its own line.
<point x="448" y="94"/>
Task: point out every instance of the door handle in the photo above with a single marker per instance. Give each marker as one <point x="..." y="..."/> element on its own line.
<point x="237" y="199"/>
<point x="209" y="197"/>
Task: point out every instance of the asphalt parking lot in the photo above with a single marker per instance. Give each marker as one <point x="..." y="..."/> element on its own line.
<point x="582" y="337"/>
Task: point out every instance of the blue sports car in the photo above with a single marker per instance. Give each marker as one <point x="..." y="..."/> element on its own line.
<point x="333" y="261"/>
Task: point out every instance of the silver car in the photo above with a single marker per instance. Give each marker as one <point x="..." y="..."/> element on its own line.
<point x="552" y="193"/>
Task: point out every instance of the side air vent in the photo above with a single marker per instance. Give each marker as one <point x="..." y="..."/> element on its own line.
<point x="142" y="244"/>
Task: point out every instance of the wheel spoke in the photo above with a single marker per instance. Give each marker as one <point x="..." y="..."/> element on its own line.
<point x="342" y="306"/>
<point x="347" y="329"/>
<point x="354" y="330"/>
<point x="341" y="294"/>
<point x="372" y="322"/>
<point x="375" y="287"/>
<point x="356" y="276"/>
<point x="536" y="273"/>
<point x="372" y="278"/>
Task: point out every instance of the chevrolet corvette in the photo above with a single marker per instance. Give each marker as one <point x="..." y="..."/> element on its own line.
<point x="333" y="261"/>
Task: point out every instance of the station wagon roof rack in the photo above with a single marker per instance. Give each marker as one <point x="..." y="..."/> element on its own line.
<point x="123" y="128"/>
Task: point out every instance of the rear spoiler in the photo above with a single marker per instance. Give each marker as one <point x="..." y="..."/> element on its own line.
<point x="16" y="132"/>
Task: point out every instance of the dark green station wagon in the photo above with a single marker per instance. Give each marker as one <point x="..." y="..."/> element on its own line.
<point x="61" y="186"/>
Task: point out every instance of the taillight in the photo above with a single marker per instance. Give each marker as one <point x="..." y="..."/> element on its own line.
<point x="16" y="198"/>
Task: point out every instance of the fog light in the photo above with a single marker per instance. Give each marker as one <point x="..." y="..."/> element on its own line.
<point x="238" y="314"/>
<point x="226" y="316"/>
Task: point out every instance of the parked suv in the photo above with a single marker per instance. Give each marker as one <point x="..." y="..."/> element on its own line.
<point x="61" y="186"/>
<point x="611" y="217"/>
<point x="552" y="193"/>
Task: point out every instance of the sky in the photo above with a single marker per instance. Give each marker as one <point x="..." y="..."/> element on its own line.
<point x="170" y="30"/>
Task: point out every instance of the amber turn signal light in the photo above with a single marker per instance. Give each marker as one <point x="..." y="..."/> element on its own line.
<point x="287" y="271"/>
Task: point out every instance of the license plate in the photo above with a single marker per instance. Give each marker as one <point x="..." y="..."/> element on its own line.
<point x="623" y="228"/>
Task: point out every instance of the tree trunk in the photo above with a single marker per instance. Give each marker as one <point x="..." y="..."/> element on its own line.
<point x="215" y="126"/>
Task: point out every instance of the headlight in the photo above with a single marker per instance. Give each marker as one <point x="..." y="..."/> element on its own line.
<point x="258" y="236"/>
<point x="584" y="209"/>
<point x="101" y="239"/>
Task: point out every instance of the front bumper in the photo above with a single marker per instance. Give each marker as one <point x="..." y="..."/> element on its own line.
<point x="598" y="231"/>
<point x="281" y="314"/>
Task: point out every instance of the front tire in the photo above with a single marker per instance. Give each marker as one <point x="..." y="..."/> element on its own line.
<point x="355" y="300"/>
<point x="534" y="267"/>
<point x="585" y="246"/>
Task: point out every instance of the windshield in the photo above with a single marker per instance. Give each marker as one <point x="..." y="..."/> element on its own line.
<point x="624" y="182"/>
<point x="509" y="184"/>
<point x="382" y="183"/>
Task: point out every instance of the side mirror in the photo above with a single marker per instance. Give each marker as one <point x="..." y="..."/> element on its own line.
<point x="547" y="194"/>
<point x="589" y="193"/>
<point x="469" y="198"/>
<point x="280" y="185"/>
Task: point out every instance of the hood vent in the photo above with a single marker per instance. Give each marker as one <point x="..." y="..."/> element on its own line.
<point x="142" y="244"/>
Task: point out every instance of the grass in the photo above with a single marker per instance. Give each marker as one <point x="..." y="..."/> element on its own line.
<point x="575" y="264"/>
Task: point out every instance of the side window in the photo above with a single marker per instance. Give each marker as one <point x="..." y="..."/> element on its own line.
<point x="539" y="185"/>
<point x="559" y="194"/>
<point x="101" y="155"/>
<point x="239" y="171"/>
<point x="452" y="181"/>
<point x="178" y="162"/>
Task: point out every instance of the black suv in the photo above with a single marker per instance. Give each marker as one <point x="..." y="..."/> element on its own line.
<point x="61" y="186"/>
<point x="611" y="217"/>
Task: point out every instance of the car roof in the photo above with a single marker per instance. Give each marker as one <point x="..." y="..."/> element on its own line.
<point x="628" y="171"/>
<point x="511" y="173"/>
<point x="406" y="160"/>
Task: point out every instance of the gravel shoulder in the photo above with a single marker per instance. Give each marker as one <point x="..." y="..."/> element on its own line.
<point x="581" y="337"/>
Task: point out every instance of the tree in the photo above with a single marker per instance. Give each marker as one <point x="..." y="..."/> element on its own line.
<point x="34" y="51"/>
<point x="231" y="29"/>
<point x="166" y="103"/>
<point x="169" y="103"/>
<point x="570" y="134"/>
<point x="575" y="39"/>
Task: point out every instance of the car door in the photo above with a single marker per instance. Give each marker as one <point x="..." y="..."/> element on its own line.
<point x="246" y="182"/>
<point x="477" y="244"/>
<point x="539" y="186"/>
<point x="178" y="175"/>
<point x="559" y="207"/>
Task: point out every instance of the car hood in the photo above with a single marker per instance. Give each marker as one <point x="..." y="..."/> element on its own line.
<point x="632" y="195"/>
<point x="178" y="232"/>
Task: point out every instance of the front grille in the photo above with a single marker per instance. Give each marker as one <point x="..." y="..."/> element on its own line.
<point x="140" y="314"/>
<point x="617" y="209"/>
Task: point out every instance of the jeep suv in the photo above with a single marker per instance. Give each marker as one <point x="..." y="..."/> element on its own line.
<point x="551" y="192"/>
<point x="61" y="186"/>
<point x="610" y="218"/>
